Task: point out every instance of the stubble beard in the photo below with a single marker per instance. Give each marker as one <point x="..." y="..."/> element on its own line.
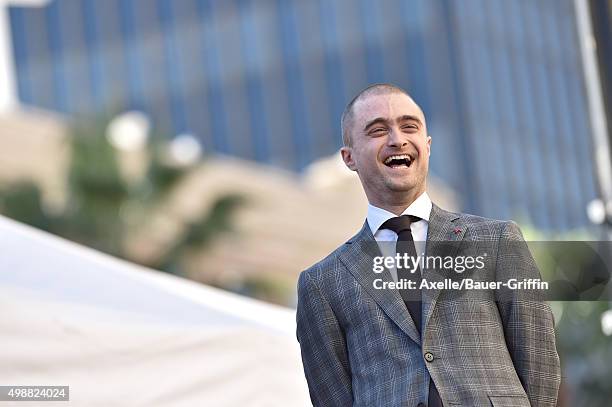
<point x="393" y="190"/>
<point x="399" y="189"/>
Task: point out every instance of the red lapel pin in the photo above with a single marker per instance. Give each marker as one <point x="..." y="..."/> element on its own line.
<point x="457" y="231"/>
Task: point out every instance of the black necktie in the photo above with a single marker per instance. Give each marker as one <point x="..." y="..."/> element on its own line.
<point x="412" y="298"/>
<point x="405" y="246"/>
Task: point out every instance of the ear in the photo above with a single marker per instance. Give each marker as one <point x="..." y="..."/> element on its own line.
<point x="347" y="157"/>
<point x="428" y="146"/>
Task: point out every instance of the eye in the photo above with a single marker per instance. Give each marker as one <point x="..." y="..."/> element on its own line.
<point x="378" y="131"/>
<point x="410" y="127"/>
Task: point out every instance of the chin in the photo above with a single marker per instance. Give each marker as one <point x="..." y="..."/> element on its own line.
<point x="400" y="186"/>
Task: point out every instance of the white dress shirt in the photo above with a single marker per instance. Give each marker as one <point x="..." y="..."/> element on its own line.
<point x="421" y="207"/>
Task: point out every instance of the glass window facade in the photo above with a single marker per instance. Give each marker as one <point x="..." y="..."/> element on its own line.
<point x="266" y="80"/>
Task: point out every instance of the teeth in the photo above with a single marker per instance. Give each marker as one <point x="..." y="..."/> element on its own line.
<point x="398" y="157"/>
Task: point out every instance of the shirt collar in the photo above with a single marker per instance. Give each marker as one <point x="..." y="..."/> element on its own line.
<point x="421" y="207"/>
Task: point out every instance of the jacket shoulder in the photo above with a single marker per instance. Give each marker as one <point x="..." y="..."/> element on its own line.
<point x="325" y="267"/>
<point x="328" y="267"/>
<point x="488" y="228"/>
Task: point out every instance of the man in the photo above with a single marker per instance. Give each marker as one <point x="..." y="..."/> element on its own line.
<point x="367" y="345"/>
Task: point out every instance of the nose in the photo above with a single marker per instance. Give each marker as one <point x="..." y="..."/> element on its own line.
<point x="396" y="138"/>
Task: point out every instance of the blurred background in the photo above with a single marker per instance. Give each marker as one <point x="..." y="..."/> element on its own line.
<point x="201" y="137"/>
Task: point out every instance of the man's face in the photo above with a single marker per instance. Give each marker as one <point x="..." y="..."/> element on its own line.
<point x="390" y="147"/>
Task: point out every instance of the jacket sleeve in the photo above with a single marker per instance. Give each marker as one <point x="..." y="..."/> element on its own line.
<point x="528" y="322"/>
<point x="323" y="347"/>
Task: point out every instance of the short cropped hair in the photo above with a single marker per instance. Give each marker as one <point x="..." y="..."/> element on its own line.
<point x="346" y="122"/>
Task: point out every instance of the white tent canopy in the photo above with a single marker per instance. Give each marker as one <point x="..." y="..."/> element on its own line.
<point x="120" y="334"/>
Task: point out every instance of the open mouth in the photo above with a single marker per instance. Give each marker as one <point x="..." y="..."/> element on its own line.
<point x="398" y="161"/>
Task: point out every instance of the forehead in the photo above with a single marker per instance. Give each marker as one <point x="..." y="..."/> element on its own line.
<point x="389" y="106"/>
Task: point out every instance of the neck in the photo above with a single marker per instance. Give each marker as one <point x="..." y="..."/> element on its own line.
<point x="397" y="204"/>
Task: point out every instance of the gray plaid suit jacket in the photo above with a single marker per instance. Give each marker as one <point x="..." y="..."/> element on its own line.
<point x="360" y="346"/>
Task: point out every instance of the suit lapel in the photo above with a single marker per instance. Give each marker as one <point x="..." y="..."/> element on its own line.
<point x="358" y="259"/>
<point x="444" y="235"/>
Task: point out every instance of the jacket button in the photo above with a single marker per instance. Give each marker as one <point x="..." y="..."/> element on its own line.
<point x="429" y="356"/>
